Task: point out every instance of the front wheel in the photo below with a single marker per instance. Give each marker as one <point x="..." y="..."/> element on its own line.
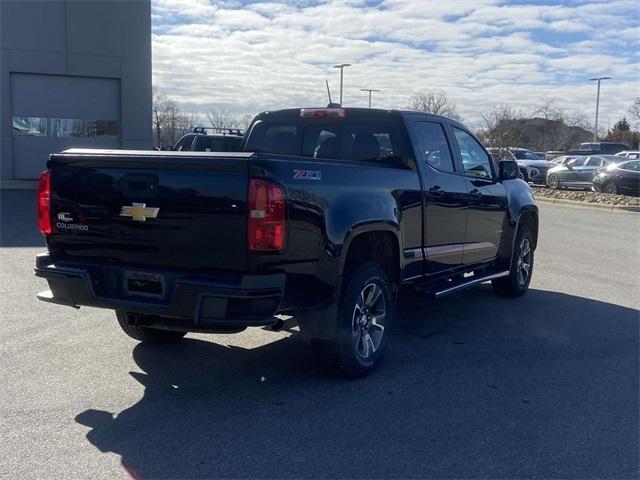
<point x="146" y="334"/>
<point x="517" y="282"/>
<point x="610" y="187"/>
<point x="363" y="321"/>
<point x="554" y="182"/>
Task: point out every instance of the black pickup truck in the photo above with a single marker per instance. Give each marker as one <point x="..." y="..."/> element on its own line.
<point x="323" y="216"/>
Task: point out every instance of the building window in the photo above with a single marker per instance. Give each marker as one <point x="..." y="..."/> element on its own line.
<point x="64" y="127"/>
<point x="30" y="126"/>
<point x="101" y="128"/>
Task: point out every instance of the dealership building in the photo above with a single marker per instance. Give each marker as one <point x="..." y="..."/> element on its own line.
<point x="73" y="73"/>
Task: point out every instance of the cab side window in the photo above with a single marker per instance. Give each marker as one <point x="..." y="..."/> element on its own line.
<point x="633" y="166"/>
<point x="185" y="143"/>
<point x="434" y="146"/>
<point x="475" y="161"/>
<point x="578" y="162"/>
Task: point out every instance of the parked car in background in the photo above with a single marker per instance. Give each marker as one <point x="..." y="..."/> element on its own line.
<point x="579" y="172"/>
<point x="564" y="159"/>
<point x="622" y="178"/>
<point x="540" y="155"/>
<point x="598" y="148"/>
<point x="524" y="154"/>
<point x="632" y="154"/>
<point x="501" y="154"/>
<point x="219" y="140"/>
<point x="532" y="169"/>
<point x="552" y="154"/>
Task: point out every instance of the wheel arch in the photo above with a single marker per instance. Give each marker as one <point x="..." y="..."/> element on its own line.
<point x="379" y="242"/>
<point x="529" y="216"/>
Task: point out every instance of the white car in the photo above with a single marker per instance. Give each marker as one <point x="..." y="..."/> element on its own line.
<point x="632" y="154"/>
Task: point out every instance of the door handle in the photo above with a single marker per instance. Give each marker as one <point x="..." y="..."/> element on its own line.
<point x="475" y="193"/>
<point x="435" y="191"/>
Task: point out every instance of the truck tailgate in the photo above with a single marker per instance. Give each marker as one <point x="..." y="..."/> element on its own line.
<point x="184" y="210"/>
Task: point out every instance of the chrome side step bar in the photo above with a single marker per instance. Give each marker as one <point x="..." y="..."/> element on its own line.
<point x="470" y="283"/>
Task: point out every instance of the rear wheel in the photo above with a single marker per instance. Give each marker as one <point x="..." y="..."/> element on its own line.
<point x="364" y="317"/>
<point x="610" y="187"/>
<point x="517" y="282"/>
<point x="146" y="334"/>
<point x="554" y="182"/>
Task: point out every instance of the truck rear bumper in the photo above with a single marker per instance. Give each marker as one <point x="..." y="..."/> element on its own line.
<point x="216" y="301"/>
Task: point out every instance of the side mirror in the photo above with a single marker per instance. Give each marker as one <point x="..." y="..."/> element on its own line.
<point x="508" y="170"/>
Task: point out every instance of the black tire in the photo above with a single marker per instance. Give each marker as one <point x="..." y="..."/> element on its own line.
<point x="610" y="187"/>
<point x="554" y="182"/>
<point x="516" y="283"/>
<point x="147" y="334"/>
<point x="362" y="324"/>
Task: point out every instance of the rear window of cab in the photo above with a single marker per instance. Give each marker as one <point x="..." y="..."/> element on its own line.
<point x="378" y="141"/>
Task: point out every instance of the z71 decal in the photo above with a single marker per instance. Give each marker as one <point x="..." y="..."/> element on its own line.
<point x="307" y="175"/>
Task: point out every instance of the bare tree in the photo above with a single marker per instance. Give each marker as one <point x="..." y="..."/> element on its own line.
<point x="170" y="122"/>
<point x="222" y="118"/>
<point x="159" y="108"/>
<point x="245" y="121"/>
<point x="178" y="123"/>
<point x="634" y="112"/>
<point x="548" y="109"/>
<point x="185" y="122"/>
<point x="544" y="127"/>
<point x="434" y="101"/>
<point x="501" y="128"/>
<point x="548" y="132"/>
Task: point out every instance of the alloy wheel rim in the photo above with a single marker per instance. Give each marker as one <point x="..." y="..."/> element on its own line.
<point x="368" y="320"/>
<point x="554" y="182"/>
<point x="524" y="261"/>
<point x="611" y="188"/>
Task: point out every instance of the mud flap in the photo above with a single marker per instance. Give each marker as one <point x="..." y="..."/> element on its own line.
<point x="320" y="322"/>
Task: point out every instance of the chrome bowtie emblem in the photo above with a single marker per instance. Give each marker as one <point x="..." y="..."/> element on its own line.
<point x="139" y="212"/>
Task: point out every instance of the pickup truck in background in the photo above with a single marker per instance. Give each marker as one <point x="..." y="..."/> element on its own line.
<point x="324" y="216"/>
<point x="599" y="148"/>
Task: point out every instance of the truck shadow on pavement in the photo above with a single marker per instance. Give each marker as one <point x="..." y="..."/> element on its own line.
<point x="472" y="385"/>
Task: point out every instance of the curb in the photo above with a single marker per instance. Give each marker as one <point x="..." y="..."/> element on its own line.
<point x="577" y="204"/>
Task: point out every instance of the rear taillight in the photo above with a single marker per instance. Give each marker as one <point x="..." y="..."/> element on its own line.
<point x="266" y="223"/>
<point x="44" y="202"/>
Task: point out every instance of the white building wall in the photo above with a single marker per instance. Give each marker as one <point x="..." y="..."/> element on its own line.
<point x="71" y="42"/>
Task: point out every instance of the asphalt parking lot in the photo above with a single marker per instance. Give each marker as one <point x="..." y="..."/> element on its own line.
<point x="473" y="385"/>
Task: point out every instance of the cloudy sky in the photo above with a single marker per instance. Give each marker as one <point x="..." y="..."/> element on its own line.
<point x="250" y="56"/>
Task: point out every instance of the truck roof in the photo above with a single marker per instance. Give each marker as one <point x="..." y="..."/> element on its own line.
<point x="354" y="111"/>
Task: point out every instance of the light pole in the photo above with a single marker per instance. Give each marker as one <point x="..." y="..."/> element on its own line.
<point x="599" y="79"/>
<point x="369" y="90"/>
<point x="341" y="67"/>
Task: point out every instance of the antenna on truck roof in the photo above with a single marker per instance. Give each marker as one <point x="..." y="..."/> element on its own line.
<point x="331" y="104"/>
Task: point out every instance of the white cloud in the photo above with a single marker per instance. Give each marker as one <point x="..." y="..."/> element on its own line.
<point x="483" y="52"/>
